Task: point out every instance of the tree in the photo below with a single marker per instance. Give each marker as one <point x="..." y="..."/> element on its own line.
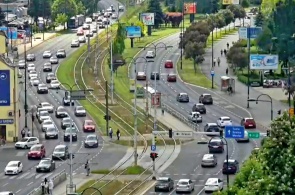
<point x="238" y="11"/>
<point x="81" y="9"/>
<point x="68" y="7"/>
<point x="264" y="40"/>
<point x="39" y="8"/>
<point x="89" y="5"/>
<point x="214" y="4"/>
<point x="119" y="44"/>
<point x="155" y="7"/>
<point x="228" y="17"/>
<point x="237" y="56"/>
<point x="245" y="3"/>
<point x="259" y="20"/>
<point x="195" y="51"/>
<point x="61" y="19"/>
<point x="220" y="22"/>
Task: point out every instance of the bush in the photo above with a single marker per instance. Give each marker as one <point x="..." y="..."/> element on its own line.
<point x="244" y="79"/>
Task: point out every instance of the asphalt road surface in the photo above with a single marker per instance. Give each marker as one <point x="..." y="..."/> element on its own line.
<point x="29" y="179"/>
<point x="188" y="162"/>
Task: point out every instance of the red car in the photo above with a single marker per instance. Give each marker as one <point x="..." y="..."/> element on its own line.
<point x="37" y="151"/>
<point x="168" y="64"/>
<point x="171" y="77"/>
<point x="80" y="32"/>
<point x="248" y="123"/>
<point x="88" y="126"/>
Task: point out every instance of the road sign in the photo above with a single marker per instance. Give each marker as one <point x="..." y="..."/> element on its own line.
<point x="153" y="147"/>
<point x="183" y="134"/>
<point x="291" y="111"/>
<point x="212" y="73"/>
<point x="253" y="32"/>
<point x="234" y="132"/>
<point x="253" y="135"/>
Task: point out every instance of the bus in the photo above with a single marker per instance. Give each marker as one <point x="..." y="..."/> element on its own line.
<point x="76" y="21"/>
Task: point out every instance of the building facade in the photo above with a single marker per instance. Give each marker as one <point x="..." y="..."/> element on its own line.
<point x="9" y="97"/>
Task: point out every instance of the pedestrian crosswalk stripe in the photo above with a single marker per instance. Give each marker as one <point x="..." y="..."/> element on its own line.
<point x="24" y="175"/>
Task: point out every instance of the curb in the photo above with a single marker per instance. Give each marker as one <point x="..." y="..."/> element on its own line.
<point x="202" y="142"/>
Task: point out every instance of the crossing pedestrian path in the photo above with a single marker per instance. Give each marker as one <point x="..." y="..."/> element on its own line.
<point x="27" y="175"/>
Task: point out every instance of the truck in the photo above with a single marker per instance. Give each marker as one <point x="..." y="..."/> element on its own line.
<point x="76" y="21"/>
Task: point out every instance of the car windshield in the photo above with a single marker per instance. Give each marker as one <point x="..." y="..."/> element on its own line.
<point x="24" y="139"/>
<point x="207" y="96"/>
<point x="230" y="163"/>
<point x="226" y="119"/>
<point x="215" y="143"/>
<point x="66" y="120"/>
<point x="51" y="130"/>
<point x="68" y="130"/>
<point x="214" y="127"/>
<point x="200" y="106"/>
<point x="61" y="109"/>
<point x="36" y="148"/>
<point x="59" y="149"/>
<point x="89" y="123"/>
<point x="46" y="104"/>
<point x="162" y="181"/>
<point x="209" y="158"/>
<point x="91" y="138"/>
<point x="47" y="122"/>
<point x="80" y="108"/>
<point x="183" y="183"/>
<point x="44" y="114"/>
<point x="12" y="165"/>
<point x="45" y="162"/>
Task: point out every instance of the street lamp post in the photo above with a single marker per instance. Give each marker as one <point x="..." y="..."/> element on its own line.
<point x="181" y="38"/>
<point x="74" y="95"/>
<point x="156" y="46"/>
<point x="258" y="100"/>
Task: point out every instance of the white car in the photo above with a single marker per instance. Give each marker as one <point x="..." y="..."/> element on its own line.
<point x="47" y="67"/>
<point x="185" y="185"/>
<point x="33" y="74"/>
<point x="75" y="43"/>
<point x="114" y="16"/>
<point x="47" y="106"/>
<point x="195" y="117"/>
<point x="89" y="34"/>
<point x="245" y="139"/>
<point x="31" y="67"/>
<point x="42" y="89"/>
<point x="21" y="64"/>
<point x="26" y="142"/>
<point x="7" y="193"/>
<point x="47" y="54"/>
<point x="43" y="115"/>
<point x="213" y="185"/>
<point x="13" y="168"/>
<point x="46" y="124"/>
<point x="82" y="39"/>
<point x="224" y="121"/>
<point x="34" y="81"/>
<point x="54" y="84"/>
<point x="150" y="54"/>
<point x="85" y="26"/>
<point x="88" y="21"/>
<point x="53" y="60"/>
<point x="80" y="111"/>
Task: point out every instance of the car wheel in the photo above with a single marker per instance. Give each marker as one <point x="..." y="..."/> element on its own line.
<point x="26" y="147"/>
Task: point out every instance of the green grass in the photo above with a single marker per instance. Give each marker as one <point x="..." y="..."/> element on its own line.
<point x="132" y="170"/>
<point x="287" y="102"/>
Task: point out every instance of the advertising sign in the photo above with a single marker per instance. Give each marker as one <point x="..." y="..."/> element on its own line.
<point x="253" y="32"/>
<point x="6" y="121"/>
<point x="3" y="44"/>
<point x="190" y="8"/>
<point x="133" y="31"/>
<point x="5" y="88"/>
<point x="148" y="19"/>
<point x="12" y="32"/>
<point x="156" y="99"/>
<point x="226" y="2"/>
<point x="264" y="62"/>
<point x="235" y="2"/>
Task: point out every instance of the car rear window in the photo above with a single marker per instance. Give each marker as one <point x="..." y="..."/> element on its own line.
<point x="215" y="143"/>
<point x="207" y="96"/>
<point x="250" y="120"/>
<point x="183" y="183"/>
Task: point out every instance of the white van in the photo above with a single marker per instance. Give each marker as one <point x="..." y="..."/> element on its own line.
<point x="88" y="21"/>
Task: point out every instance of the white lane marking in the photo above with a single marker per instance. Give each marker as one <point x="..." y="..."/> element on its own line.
<point x="4" y="185"/>
<point x="30" y="183"/>
<point x="24" y="175"/>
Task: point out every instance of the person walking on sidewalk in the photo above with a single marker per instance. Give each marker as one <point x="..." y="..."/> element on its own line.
<point x="23" y="133"/>
<point x="43" y="187"/>
<point x="50" y="186"/>
<point x="46" y="187"/>
<point x="111" y="133"/>
<point x="163" y="111"/>
<point x="224" y="51"/>
<point x="87" y="168"/>
<point x="218" y="61"/>
<point x="214" y="62"/>
<point x="221" y="52"/>
<point x="118" y="134"/>
<point x="227" y="45"/>
<point x="3" y="141"/>
<point x="29" y="133"/>
<point x="226" y="71"/>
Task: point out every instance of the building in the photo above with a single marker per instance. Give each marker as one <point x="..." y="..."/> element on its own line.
<point x="9" y="96"/>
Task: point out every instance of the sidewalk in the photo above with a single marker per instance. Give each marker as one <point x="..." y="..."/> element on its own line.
<point x="260" y="111"/>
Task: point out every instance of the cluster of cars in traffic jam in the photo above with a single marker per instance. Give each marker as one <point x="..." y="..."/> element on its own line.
<point x="216" y="144"/>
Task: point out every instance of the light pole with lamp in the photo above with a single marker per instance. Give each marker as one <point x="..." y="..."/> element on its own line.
<point x="73" y="95"/>
<point x="258" y="100"/>
<point x="181" y="38"/>
<point x="156" y="46"/>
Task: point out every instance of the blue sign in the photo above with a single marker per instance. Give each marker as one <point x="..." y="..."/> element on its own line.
<point x="6" y="121"/>
<point x="5" y="88"/>
<point x="133" y="31"/>
<point x="12" y="32"/>
<point x="153" y="147"/>
<point x="234" y="132"/>
<point x="253" y="32"/>
<point x="264" y="62"/>
<point x="212" y="73"/>
<point x="28" y="32"/>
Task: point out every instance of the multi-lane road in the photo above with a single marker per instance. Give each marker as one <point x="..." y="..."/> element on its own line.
<point x="29" y="179"/>
<point x="187" y="165"/>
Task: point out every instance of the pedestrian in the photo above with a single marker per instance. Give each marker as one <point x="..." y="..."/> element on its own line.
<point x="2" y="141"/>
<point x="201" y="99"/>
<point x="163" y="111"/>
<point x="214" y="61"/>
<point x="23" y="133"/>
<point x="28" y="133"/>
<point x="111" y="132"/>
<point x="218" y="61"/>
<point x="227" y="45"/>
<point x="87" y="168"/>
<point x="221" y="52"/>
<point x="224" y="51"/>
<point x="46" y="186"/>
<point x="43" y="187"/>
<point x="50" y="186"/>
<point x="226" y="71"/>
<point x="118" y="134"/>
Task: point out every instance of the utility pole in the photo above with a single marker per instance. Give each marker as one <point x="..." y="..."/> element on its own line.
<point x="181" y="38"/>
<point x="135" y="119"/>
<point x="88" y="50"/>
<point x="26" y="105"/>
<point x="146" y="106"/>
<point x="155" y="122"/>
<point x="107" y="107"/>
<point x="96" y="51"/>
<point x="70" y="148"/>
<point x="112" y="74"/>
<point x="43" y="19"/>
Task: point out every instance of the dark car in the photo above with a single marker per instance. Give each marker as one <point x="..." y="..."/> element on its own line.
<point x="71" y="131"/>
<point x="199" y="108"/>
<point x="91" y="141"/>
<point x="31" y="57"/>
<point x="164" y="184"/>
<point x="155" y="75"/>
<point x="182" y="97"/>
<point x="61" y="53"/>
<point x="171" y="77"/>
<point x="233" y="167"/>
<point x="61" y="112"/>
<point x="66" y="122"/>
<point x="60" y="152"/>
<point x="211" y="127"/>
<point x="51" y="133"/>
<point x="216" y="145"/>
<point x="45" y="165"/>
<point x="206" y="99"/>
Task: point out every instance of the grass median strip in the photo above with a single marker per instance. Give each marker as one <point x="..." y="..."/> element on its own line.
<point x="132" y="170"/>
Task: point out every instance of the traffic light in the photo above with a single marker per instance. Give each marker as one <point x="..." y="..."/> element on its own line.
<point x="107" y="117"/>
<point x="156" y="139"/>
<point x="279" y="112"/>
<point x="170" y="133"/>
<point x="156" y="155"/>
<point x="153" y="155"/>
<point x="221" y="132"/>
<point x="268" y="133"/>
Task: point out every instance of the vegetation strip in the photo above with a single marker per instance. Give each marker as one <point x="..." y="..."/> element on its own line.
<point x="132" y="170"/>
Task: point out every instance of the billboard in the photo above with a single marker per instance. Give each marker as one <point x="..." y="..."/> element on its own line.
<point x="235" y="2"/>
<point x="148" y="19"/>
<point x="12" y="32"/>
<point x="229" y="2"/>
<point x="264" y="62"/>
<point x="133" y="31"/>
<point x="5" y="88"/>
<point x="156" y="99"/>
<point x="2" y="43"/>
<point x="190" y="8"/>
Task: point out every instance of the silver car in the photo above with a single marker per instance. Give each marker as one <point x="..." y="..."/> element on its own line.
<point x="53" y="60"/>
<point x="185" y="185"/>
<point x="91" y="141"/>
<point x="51" y="132"/>
<point x="209" y="160"/>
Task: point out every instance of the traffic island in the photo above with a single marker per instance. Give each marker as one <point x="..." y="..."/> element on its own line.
<point x="131" y="170"/>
